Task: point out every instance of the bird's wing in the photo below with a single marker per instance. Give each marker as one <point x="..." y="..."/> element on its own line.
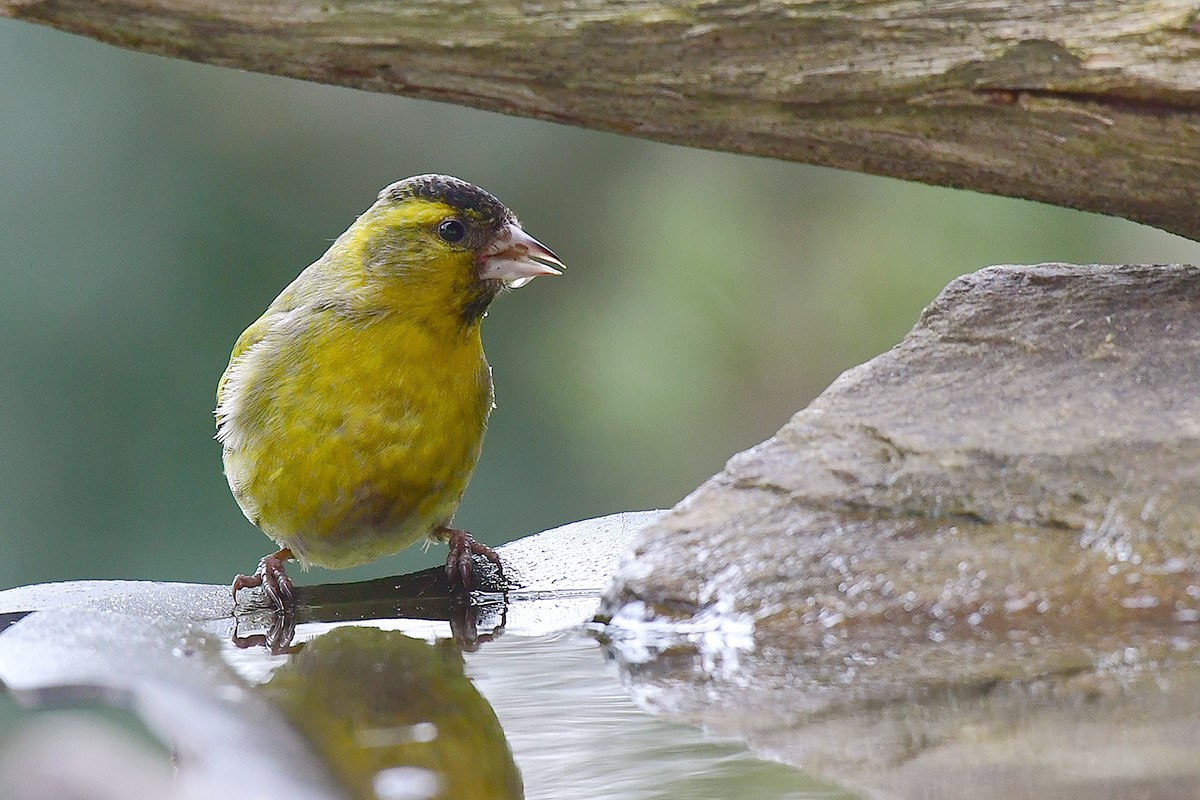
<point x="250" y="337"/>
<point x="288" y="300"/>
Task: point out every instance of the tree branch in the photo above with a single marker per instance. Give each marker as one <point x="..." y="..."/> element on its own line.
<point x="1090" y="105"/>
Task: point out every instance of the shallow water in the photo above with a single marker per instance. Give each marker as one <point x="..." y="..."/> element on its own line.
<point x="386" y="691"/>
<point x="574" y="731"/>
<point x="392" y="691"/>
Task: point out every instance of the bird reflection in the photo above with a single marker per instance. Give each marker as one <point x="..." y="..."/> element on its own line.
<point x="395" y="716"/>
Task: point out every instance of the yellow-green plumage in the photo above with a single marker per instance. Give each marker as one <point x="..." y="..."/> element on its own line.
<point x="353" y="411"/>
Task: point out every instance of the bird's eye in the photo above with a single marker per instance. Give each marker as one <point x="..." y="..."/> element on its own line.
<point x="452" y="231"/>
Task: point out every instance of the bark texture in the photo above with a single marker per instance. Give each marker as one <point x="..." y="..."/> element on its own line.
<point x="1092" y="105"/>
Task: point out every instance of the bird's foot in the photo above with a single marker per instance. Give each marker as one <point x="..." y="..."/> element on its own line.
<point x="275" y="583"/>
<point x="459" y="568"/>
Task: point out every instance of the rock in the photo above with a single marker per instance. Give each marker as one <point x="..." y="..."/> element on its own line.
<point x="1002" y="512"/>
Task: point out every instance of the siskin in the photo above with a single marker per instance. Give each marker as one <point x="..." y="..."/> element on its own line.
<point x="352" y="412"/>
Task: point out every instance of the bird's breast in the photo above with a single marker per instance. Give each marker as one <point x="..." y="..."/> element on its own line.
<point x="356" y="439"/>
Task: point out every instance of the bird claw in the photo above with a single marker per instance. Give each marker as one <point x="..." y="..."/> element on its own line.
<point x="273" y="579"/>
<point x="277" y="640"/>
<point x="460" y="568"/>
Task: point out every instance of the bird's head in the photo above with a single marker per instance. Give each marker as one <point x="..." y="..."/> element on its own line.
<point x="437" y="244"/>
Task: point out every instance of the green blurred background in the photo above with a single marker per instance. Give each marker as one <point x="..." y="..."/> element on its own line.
<point x="150" y="209"/>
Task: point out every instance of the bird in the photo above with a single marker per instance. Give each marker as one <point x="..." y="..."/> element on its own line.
<point x="352" y="412"/>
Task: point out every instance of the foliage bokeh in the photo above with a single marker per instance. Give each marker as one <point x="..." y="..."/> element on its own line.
<point x="150" y="209"/>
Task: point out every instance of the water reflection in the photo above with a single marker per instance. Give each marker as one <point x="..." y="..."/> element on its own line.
<point x="395" y="717"/>
<point x="571" y="726"/>
<point x="927" y="720"/>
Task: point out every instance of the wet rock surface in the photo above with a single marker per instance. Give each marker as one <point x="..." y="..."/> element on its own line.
<point x="972" y="555"/>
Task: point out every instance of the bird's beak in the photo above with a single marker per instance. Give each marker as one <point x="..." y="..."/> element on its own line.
<point x="516" y="258"/>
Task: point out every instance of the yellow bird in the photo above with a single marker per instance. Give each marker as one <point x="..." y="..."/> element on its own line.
<point x="352" y="412"/>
